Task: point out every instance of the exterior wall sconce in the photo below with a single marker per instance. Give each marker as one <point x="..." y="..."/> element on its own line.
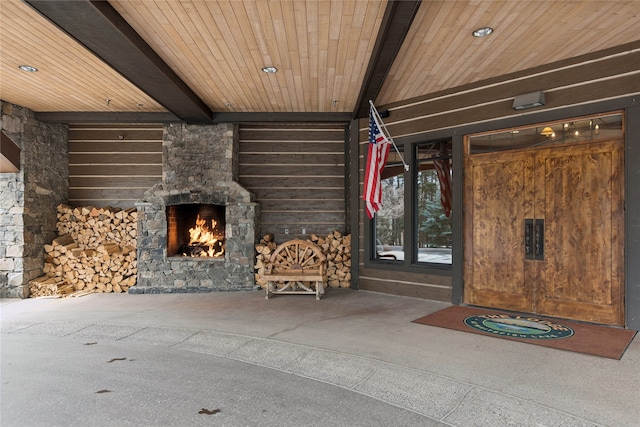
<point x="528" y="100"/>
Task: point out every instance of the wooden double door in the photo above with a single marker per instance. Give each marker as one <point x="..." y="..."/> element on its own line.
<point x="544" y="231"/>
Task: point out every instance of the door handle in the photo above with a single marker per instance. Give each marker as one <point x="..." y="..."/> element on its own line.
<point x="528" y="239"/>
<point x="539" y="239"/>
<point x="534" y="239"/>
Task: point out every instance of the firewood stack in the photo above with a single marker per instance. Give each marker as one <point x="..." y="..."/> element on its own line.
<point x="337" y="249"/>
<point x="335" y="246"/>
<point x="264" y="249"/>
<point x="95" y="252"/>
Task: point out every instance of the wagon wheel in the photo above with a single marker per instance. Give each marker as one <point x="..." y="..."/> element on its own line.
<point x="294" y="257"/>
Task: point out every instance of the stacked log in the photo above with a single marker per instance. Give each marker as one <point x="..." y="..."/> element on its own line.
<point x="264" y="249"/>
<point x="46" y="286"/>
<point x="90" y="226"/>
<point x="85" y="259"/>
<point x="336" y="247"/>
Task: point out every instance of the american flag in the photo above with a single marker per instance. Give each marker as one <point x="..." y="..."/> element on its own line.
<point x="444" y="177"/>
<point x="377" y="154"/>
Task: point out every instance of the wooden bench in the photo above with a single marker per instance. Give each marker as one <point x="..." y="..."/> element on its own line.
<point x="292" y="268"/>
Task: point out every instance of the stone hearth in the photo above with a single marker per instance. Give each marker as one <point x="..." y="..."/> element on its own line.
<point x="199" y="167"/>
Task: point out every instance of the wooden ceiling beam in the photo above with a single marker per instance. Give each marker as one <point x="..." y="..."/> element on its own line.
<point x="77" y="117"/>
<point x="294" y="117"/>
<point x="97" y="26"/>
<point x="9" y="154"/>
<point x="395" y="25"/>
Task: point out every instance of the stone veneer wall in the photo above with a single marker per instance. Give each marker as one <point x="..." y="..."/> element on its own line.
<point x="28" y="198"/>
<point x="200" y="165"/>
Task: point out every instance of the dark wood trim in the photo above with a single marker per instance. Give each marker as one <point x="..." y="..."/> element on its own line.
<point x="353" y="189"/>
<point x="457" y="217"/>
<point x="407" y="290"/>
<point x="293" y="117"/>
<point x="632" y="220"/>
<point x="10" y="150"/>
<point x="80" y="117"/>
<point x="98" y="26"/>
<point x="395" y="25"/>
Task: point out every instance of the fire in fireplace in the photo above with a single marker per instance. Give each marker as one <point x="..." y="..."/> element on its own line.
<point x="195" y="230"/>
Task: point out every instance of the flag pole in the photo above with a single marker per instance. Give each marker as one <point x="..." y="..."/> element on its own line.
<point x="381" y="123"/>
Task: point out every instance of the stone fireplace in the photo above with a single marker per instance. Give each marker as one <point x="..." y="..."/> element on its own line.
<point x="199" y="186"/>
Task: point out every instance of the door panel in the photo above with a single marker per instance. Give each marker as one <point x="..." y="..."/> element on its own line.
<point x="580" y="194"/>
<point x="499" y="196"/>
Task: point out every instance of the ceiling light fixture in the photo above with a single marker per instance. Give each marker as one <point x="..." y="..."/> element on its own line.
<point x="482" y="32"/>
<point x="28" y="68"/>
<point x="548" y="131"/>
<point x="269" y="70"/>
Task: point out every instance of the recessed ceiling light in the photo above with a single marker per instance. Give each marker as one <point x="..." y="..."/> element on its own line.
<point x="482" y="32"/>
<point x="269" y="69"/>
<point x="28" y="68"/>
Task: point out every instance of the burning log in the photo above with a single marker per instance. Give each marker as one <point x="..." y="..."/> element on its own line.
<point x="204" y="240"/>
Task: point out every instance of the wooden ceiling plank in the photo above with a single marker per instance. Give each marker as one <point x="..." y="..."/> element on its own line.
<point x="289" y="50"/>
<point x="97" y="26"/>
<point x="302" y="36"/>
<point x="215" y="81"/>
<point x="417" y="59"/>
<point x="236" y="49"/>
<point x="324" y="13"/>
<point x="248" y="42"/>
<point x="248" y="17"/>
<point x="70" y="78"/>
<point x="393" y="30"/>
<point x="344" y="50"/>
<point x="265" y="33"/>
<point x="355" y="61"/>
<point x="312" y="25"/>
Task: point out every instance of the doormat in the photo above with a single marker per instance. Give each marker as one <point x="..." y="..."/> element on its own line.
<point x="603" y="341"/>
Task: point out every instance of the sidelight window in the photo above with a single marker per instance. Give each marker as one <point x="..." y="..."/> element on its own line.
<point x="390" y="219"/>
<point x="433" y="195"/>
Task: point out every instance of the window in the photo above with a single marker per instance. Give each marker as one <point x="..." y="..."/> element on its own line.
<point x="577" y="130"/>
<point x="433" y="204"/>
<point x="389" y="220"/>
<point x="426" y="229"/>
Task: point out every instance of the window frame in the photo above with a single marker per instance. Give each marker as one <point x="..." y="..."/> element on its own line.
<point x="410" y="247"/>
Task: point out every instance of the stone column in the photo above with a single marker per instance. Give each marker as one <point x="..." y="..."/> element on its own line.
<point x="28" y="198"/>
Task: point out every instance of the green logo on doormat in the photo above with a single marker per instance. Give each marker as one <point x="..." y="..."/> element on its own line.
<point x="518" y="326"/>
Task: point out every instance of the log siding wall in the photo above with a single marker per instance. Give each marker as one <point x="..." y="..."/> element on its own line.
<point x="598" y="82"/>
<point x="297" y="175"/>
<point x="113" y="165"/>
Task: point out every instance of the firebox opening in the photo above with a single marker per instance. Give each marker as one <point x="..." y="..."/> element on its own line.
<point x="195" y="230"/>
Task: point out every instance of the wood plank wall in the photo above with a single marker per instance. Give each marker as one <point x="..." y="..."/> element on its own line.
<point x="485" y="105"/>
<point x="113" y="165"/>
<point x="297" y="174"/>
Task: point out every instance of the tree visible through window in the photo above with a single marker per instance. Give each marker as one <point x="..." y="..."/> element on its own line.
<point x="433" y="203"/>
<point x="431" y="234"/>
<point x="389" y="220"/>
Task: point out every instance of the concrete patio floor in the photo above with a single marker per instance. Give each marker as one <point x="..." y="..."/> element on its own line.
<point x="227" y="359"/>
